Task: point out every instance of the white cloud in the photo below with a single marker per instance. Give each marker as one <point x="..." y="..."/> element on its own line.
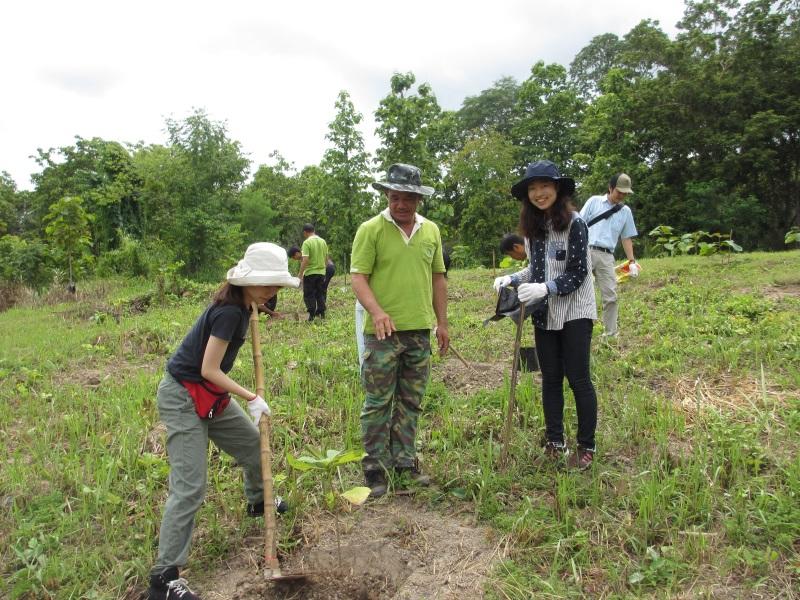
<point x="84" y="81"/>
<point x="271" y="70"/>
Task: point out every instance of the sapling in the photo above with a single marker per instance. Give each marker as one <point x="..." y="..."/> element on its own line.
<point x="327" y="466"/>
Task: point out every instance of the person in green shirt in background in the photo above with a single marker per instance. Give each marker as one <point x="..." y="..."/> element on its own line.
<point x="398" y="277"/>
<point x="312" y="272"/>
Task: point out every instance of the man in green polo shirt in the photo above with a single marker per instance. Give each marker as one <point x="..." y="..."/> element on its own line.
<point x="398" y="277"/>
<point x="312" y="272"/>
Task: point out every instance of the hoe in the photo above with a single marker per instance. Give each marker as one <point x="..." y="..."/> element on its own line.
<point x="272" y="568"/>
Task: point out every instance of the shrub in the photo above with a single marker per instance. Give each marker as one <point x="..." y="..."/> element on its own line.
<point x="25" y="262"/>
<point x="135" y="258"/>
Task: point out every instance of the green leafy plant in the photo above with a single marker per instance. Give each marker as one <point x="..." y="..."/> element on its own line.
<point x="461" y="256"/>
<point x="33" y="560"/>
<point x="328" y="465"/>
<point x="792" y="236"/>
<point x="659" y="567"/>
<point x="167" y="279"/>
<point x="669" y="243"/>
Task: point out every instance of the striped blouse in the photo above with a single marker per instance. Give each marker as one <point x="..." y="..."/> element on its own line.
<point x="562" y="261"/>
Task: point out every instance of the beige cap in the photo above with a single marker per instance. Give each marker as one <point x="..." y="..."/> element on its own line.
<point x="624" y="184"/>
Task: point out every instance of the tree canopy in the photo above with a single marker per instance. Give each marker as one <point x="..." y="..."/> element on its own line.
<point x="707" y="124"/>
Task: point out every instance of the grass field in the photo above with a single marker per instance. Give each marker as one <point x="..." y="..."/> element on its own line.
<point x="695" y="491"/>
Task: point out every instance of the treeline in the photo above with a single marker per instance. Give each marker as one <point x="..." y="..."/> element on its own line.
<point x="707" y="125"/>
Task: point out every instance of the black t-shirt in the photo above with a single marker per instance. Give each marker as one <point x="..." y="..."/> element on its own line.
<point x="224" y="321"/>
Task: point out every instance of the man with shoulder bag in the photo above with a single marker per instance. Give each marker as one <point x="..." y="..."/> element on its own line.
<point x="610" y="220"/>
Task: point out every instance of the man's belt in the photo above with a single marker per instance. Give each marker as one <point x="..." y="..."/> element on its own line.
<point x="601" y="249"/>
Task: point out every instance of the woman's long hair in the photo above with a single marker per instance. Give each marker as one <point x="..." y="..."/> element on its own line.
<point x="228" y="294"/>
<point x="533" y="221"/>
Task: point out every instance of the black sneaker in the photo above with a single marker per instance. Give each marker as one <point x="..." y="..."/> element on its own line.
<point x="257" y="509"/>
<point x="168" y="586"/>
<point x="376" y="482"/>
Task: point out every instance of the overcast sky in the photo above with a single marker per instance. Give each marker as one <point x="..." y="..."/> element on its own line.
<point x="271" y="70"/>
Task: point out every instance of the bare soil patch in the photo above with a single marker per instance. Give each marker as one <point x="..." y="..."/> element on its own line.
<point x="391" y="549"/>
<point x="724" y="392"/>
<point x="465" y="380"/>
<point x="778" y="292"/>
<point x="93" y="376"/>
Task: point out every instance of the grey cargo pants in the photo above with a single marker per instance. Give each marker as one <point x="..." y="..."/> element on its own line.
<point x="187" y="446"/>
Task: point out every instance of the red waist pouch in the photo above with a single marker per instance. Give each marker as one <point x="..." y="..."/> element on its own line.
<point x="210" y="400"/>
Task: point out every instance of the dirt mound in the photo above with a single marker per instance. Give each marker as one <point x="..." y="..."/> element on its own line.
<point x="466" y="380"/>
<point x="395" y="549"/>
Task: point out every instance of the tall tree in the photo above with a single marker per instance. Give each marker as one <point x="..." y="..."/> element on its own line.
<point x="593" y="62"/>
<point x="347" y="201"/>
<point x="409" y="133"/>
<point x="548" y="113"/>
<point x="100" y="172"/>
<point x="276" y="190"/>
<point x="482" y="173"/>
<point x="492" y="109"/>
<point x="404" y="121"/>
<point x="8" y="202"/>
<point x="716" y="120"/>
<point x="191" y="194"/>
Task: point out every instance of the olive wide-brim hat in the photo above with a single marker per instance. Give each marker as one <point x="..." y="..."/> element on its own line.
<point x="542" y="169"/>
<point x="403" y="178"/>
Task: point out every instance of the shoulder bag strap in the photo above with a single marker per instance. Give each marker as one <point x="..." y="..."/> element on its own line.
<point x="605" y="215"/>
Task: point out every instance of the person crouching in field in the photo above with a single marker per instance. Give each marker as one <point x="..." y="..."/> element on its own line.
<point x="557" y="290"/>
<point x="513" y="246"/>
<point x="193" y="403"/>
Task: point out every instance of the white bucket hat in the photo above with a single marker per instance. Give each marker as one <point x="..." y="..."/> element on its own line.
<point x="264" y="263"/>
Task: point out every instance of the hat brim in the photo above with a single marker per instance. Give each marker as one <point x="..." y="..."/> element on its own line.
<point x="262" y="278"/>
<point x="520" y="189"/>
<point x="403" y="187"/>
<point x="626" y="190"/>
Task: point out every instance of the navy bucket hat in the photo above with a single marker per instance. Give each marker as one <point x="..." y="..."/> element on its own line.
<point x="542" y="169"/>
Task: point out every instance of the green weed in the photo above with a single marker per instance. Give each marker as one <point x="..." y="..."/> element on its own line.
<point x="696" y="471"/>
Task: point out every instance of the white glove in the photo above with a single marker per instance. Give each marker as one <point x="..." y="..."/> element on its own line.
<point x="501" y="282"/>
<point x="531" y="292"/>
<point x="257" y="407"/>
<point x="633" y="269"/>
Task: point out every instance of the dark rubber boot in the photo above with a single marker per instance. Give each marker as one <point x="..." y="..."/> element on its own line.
<point x="376" y="482"/>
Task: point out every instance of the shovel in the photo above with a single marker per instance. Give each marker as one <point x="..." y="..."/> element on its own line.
<point x="512" y="395"/>
<point x="272" y="566"/>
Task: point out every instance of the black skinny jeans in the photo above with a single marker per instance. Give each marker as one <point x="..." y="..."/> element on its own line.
<point x="566" y="352"/>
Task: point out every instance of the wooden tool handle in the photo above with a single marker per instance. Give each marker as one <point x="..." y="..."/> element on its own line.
<point x="512" y="396"/>
<point x="270" y="546"/>
<point x="461" y="358"/>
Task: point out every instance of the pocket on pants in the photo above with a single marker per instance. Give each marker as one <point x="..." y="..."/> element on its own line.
<point x="378" y="372"/>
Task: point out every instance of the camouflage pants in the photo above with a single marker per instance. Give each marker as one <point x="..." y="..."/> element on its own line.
<point x="394" y="374"/>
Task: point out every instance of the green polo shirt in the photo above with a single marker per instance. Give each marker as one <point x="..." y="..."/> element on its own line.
<point x="400" y="270"/>
<point x="316" y="249"/>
